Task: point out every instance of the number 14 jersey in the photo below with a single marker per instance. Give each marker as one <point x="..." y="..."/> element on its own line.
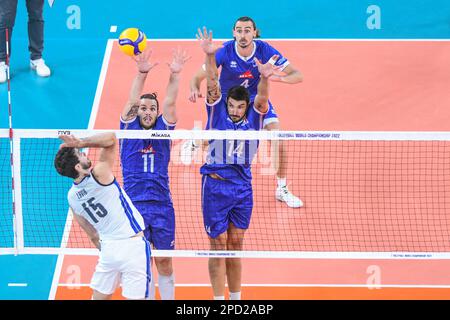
<point x="107" y="208"/>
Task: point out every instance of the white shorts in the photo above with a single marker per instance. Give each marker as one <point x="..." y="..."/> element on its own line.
<point x="124" y="261"/>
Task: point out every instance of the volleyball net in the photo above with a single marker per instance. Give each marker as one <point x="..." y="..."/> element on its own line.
<point x="365" y="194"/>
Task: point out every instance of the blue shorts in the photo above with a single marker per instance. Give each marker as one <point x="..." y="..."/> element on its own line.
<point x="223" y="202"/>
<point x="159" y="219"/>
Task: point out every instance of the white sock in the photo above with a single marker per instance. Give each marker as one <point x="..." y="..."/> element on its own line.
<point x="219" y="297"/>
<point x="281" y="182"/>
<point x="166" y="287"/>
<point x="235" y="295"/>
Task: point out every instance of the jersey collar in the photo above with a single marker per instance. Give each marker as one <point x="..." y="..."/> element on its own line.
<point x="82" y="180"/>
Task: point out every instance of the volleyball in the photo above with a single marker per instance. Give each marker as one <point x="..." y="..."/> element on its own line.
<point x="132" y="41"/>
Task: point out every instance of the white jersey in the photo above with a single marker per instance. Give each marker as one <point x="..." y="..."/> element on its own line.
<point x="107" y="207"/>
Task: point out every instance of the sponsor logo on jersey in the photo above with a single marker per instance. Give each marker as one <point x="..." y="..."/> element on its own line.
<point x="246" y="75"/>
<point x="148" y="149"/>
<point x="233" y="64"/>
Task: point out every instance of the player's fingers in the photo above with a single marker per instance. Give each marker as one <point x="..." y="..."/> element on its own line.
<point x="257" y="61"/>
<point x="278" y="68"/>
<point x="147" y="53"/>
<point x="273" y="59"/>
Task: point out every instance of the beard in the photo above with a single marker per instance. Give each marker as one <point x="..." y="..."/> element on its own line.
<point x="147" y="125"/>
<point x="86" y="165"/>
<point x="236" y="119"/>
<point x="243" y="44"/>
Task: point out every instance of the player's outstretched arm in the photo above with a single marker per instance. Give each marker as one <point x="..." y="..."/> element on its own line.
<point x="169" y="105"/>
<point x="266" y="70"/>
<point x="290" y="75"/>
<point x="143" y="67"/>
<point x="88" y="228"/>
<point x="103" y="170"/>
<point x="212" y="73"/>
<point x="195" y="83"/>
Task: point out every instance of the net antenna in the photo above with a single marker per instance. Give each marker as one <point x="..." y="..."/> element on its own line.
<point x="11" y="144"/>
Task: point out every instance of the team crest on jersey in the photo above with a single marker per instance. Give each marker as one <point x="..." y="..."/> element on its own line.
<point x="233" y="64"/>
<point x="149" y="149"/>
<point x="246" y="75"/>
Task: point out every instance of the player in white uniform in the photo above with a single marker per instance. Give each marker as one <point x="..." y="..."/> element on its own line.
<point x="105" y="212"/>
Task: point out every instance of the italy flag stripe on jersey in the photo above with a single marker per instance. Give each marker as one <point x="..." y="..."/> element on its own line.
<point x="134" y="224"/>
<point x="149" y="277"/>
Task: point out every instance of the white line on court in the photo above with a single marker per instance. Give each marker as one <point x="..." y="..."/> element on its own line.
<point x="17" y="284"/>
<point x="98" y="93"/>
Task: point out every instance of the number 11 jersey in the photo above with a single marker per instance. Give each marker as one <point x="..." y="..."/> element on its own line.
<point x="145" y="163"/>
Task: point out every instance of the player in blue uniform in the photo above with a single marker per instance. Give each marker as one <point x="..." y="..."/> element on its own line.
<point x="145" y="163"/>
<point x="236" y="59"/>
<point x="227" y="195"/>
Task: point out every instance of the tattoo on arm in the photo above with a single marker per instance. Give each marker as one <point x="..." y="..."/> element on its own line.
<point x="133" y="112"/>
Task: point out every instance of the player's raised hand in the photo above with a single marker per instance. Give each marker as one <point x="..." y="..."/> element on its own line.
<point x="143" y="61"/>
<point x="179" y="59"/>
<point x="276" y="77"/>
<point x="70" y="141"/>
<point x="268" y="69"/>
<point x="194" y="95"/>
<point x="206" y="41"/>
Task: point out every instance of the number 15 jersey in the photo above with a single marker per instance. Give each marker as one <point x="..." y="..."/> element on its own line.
<point x="107" y="208"/>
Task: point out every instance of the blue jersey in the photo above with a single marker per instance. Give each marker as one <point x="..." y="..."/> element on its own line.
<point x="238" y="70"/>
<point x="145" y="163"/>
<point x="231" y="159"/>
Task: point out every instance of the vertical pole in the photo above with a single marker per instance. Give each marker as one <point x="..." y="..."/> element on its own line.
<point x="11" y="144"/>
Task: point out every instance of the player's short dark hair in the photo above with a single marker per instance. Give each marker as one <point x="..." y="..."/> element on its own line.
<point x="245" y="19"/>
<point x="65" y="161"/>
<point x="239" y="93"/>
<point x="152" y="96"/>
